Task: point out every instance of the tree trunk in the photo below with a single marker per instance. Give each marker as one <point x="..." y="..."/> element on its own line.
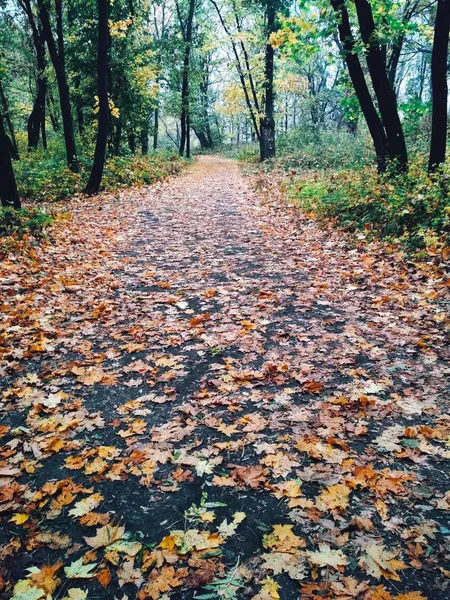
<point x="205" y="143"/>
<point x="385" y="94"/>
<point x="144" y="139"/>
<point x="36" y="120"/>
<point x="156" y="129"/>
<point x="51" y="112"/>
<point x="185" y="108"/>
<point x="267" y="125"/>
<point x="9" y="195"/>
<point x="439" y="86"/>
<point x="57" y="56"/>
<point x="5" y="111"/>
<point x="362" y="92"/>
<point x="95" y="179"/>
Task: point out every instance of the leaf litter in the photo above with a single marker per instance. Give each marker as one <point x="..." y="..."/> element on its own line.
<point x="204" y="395"/>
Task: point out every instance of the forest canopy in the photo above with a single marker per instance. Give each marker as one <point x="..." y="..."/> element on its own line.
<point x="90" y="89"/>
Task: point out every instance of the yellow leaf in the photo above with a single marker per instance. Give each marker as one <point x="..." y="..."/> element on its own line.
<point x="19" y="518"/>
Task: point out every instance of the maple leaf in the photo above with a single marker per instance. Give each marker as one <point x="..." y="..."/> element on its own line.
<point x="77" y="570"/>
<point x="76" y="594"/>
<point x="379" y="562"/>
<point x="228" y="529"/>
<point x="93" y="518"/>
<point x="186" y="541"/>
<point x="334" y="497"/>
<point x="24" y="590"/>
<point x="283" y="539"/>
<point x="349" y="588"/>
<point x="162" y="581"/>
<point x="252" y="476"/>
<point x="326" y="557"/>
<point x="282" y="562"/>
<point x="44" y="577"/>
<point x="269" y="590"/>
<point x="105" y="536"/>
<point x="85" y="506"/>
<point x="19" y="518"/>
<point x="127" y="573"/>
<point x="104" y="577"/>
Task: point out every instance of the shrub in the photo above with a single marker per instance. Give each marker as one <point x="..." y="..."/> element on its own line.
<point x="43" y="176"/>
<point x="410" y="208"/>
<point x="24" y="221"/>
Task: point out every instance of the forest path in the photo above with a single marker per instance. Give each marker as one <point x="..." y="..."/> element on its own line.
<point x="189" y="340"/>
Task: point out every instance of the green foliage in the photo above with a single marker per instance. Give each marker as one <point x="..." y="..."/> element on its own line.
<point x="226" y="588"/>
<point x="44" y="176"/>
<point x="312" y="149"/>
<point x="25" y="221"/>
<point x="126" y="171"/>
<point x="411" y="208"/>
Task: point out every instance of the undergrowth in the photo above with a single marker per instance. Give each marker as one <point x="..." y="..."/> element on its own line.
<point x="331" y="176"/>
<point x="25" y="221"/>
<point x="412" y="209"/>
<point x="43" y="176"/>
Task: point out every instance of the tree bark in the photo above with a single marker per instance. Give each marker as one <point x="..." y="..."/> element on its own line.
<point x="9" y="195"/>
<point x="185" y="108"/>
<point x="93" y="185"/>
<point x="387" y="101"/>
<point x="156" y="129"/>
<point x="7" y="117"/>
<point x="36" y="120"/>
<point x="358" y="80"/>
<point x="267" y="125"/>
<point x="57" y="56"/>
<point x="439" y="86"/>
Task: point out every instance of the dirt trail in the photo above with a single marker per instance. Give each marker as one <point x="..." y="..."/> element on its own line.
<point x="190" y="344"/>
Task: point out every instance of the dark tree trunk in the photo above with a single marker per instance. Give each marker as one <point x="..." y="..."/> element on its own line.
<point x="7" y="117"/>
<point x="267" y="125"/>
<point x="156" y="129"/>
<point x="132" y="142"/>
<point x="144" y="140"/>
<point x="36" y="120"/>
<point x="185" y="108"/>
<point x="9" y="195"/>
<point x="51" y="111"/>
<point x="440" y="86"/>
<point x="95" y="179"/>
<point x="385" y="94"/>
<point x="57" y="56"/>
<point x="205" y="142"/>
<point x="358" y="79"/>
